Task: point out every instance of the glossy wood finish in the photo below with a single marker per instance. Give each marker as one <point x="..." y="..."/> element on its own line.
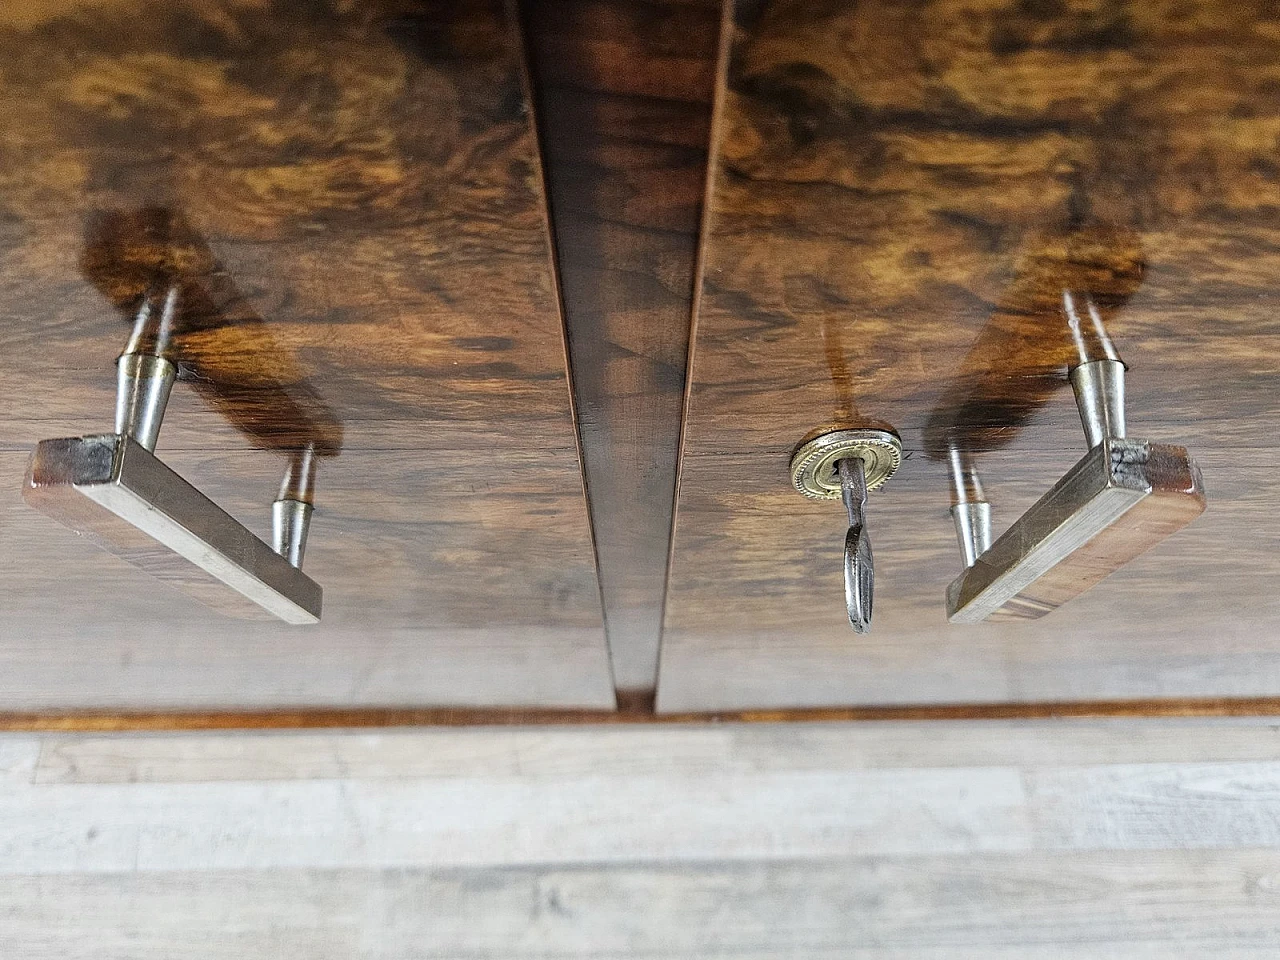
<point x="900" y="196"/>
<point x="623" y="92"/>
<point x="349" y="198"/>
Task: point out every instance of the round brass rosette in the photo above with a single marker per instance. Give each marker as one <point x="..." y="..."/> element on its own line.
<point x="813" y="465"/>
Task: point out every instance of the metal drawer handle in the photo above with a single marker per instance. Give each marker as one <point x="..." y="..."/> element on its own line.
<point x="1122" y="498"/>
<point x="113" y="489"/>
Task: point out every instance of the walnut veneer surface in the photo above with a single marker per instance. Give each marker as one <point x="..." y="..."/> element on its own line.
<point x="900" y="194"/>
<point x="349" y="197"/>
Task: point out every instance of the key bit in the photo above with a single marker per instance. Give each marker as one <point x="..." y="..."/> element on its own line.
<point x="859" y="564"/>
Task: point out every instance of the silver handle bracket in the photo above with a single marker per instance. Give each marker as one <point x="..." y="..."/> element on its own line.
<point x="1118" y="501"/>
<point x="113" y="489"/>
<point x="1122" y="498"/>
<point x="119" y="494"/>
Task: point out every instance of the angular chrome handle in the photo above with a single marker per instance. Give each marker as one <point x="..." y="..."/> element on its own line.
<point x="1122" y="498"/>
<point x="114" y="489"/>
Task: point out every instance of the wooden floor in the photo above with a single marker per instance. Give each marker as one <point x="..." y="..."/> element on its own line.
<point x="1073" y="838"/>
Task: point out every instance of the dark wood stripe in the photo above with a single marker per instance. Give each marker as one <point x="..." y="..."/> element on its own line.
<point x="336" y="719"/>
<point x="623" y="95"/>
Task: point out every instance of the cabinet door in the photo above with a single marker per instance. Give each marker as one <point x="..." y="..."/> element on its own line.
<point x="901" y="195"/>
<point x="349" y="200"/>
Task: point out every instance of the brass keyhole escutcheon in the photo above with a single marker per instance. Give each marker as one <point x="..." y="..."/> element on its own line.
<point x="813" y="465"/>
<point x="845" y="465"/>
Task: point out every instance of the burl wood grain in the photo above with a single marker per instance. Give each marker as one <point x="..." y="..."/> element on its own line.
<point x="348" y="197"/>
<point x="623" y="92"/>
<point x="365" y="174"/>
<point x="896" y="186"/>
<point x="1014" y="367"/>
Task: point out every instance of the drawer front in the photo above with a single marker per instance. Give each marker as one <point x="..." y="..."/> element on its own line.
<point x="900" y="197"/>
<point x="348" y="203"/>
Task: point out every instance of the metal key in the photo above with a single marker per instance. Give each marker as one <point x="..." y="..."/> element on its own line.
<point x="859" y="565"/>
<point x="845" y="465"/>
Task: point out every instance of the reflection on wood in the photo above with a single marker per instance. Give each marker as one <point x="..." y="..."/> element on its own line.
<point x="911" y="178"/>
<point x="1020" y="358"/>
<point x="365" y="175"/>
<point x="348" y="195"/>
<point x="255" y="385"/>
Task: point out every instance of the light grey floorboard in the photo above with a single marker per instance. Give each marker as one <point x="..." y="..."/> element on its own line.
<point x="483" y="821"/>
<point x="1143" y="904"/>
<point x="640" y="750"/>
<point x="931" y="841"/>
<point x="1156" y="806"/>
<point x="19" y="757"/>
